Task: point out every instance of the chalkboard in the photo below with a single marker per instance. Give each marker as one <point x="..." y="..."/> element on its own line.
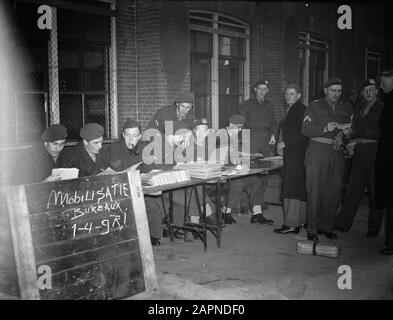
<point x="90" y="235"/>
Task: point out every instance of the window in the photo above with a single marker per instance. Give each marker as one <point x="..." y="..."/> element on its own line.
<point x="313" y="66"/>
<point x="373" y="63"/>
<point x="219" y="65"/>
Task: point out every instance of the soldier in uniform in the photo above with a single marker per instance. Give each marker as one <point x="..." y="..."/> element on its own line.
<point x="325" y="163"/>
<point x="88" y="155"/>
<point x="365" y="130"/>
<point x="252" y="185"/>
<point x="261" y="120"/>
<point x="126" y="152"/>
<point x="42" y="157"/>
<point x="384" y="160"/>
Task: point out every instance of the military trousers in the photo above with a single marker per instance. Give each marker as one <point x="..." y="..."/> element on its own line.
<point x="252" y="185"/>
<point x="155" y="214"/>
<point x="324" y="175"/>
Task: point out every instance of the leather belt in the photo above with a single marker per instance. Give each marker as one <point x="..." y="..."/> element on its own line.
<point x="366" y="141"/>
<point x="323" y="140"/>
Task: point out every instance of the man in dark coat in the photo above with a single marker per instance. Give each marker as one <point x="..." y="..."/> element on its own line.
<point x="384" y="161"/>
<point x="128" y="151"/>
<point x="88" y="155"/>
<point x="365" y="131"/>
<point x="42" y="157"/>
<point x="294" y="145"/>
<point x="324" y="120"/>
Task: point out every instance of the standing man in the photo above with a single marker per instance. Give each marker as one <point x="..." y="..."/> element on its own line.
<point x="261" y="120"/>
<point x="88" y="155"/>
<point x="325" y="164"/>
<point x="42" y="158"/>
<point x="126" y="152"/>
<point x="365" y="131"/>
<point x="384" y="161"/>
<point x="294" y="145"/>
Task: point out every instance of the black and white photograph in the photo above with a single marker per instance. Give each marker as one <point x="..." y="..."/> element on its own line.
<point x="195" y="156"/>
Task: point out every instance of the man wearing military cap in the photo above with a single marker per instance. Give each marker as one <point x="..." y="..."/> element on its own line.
<point x="365" y="130"/>
<point x="252" y="185"/>
<point x="179" y="115"/>
<point x="384" y="160"/>
<point x="43" y="157"/>
<point x="126" y="152"/>
<point x="325" y="164"/>
<point x="88" y="155"/>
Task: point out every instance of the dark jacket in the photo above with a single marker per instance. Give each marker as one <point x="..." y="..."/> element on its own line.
<point x="294" y="171"/>
<point x="367" y="126"/>
<point x="319" y="113"/>
<point x="121" y="158"/>
<point x="77" y="157"/>
<point x="259" y="115"/>
<point x="35" y="165"/>
<point x="384" y="158"/>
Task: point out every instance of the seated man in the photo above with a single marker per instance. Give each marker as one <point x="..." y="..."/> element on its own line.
<point x="42" y="158"/>
<point x="126" y="152"/>
<point x="88" y="155"/>
<point x="252" y="185"/>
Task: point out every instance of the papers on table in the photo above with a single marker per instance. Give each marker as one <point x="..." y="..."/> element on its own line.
<point x="342" y="126"/>
<point x="201" y="169"/>
<point x="160" y="178"/>
<point x="109" y="170"/>
<point x="66" y="173"/>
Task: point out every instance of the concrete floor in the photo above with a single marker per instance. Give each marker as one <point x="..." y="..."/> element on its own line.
<point x="255" y="263"/>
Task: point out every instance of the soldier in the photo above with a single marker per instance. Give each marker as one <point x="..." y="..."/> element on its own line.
<point x="43" y="157"/>
<point x="261" y="120"/>
<point x="365" y="130"/>
<point x="126" y="152"/>
<point x="252" y="185"/>
<point x="384" y="160"/>
<point x="88" y="155"/>
<point x="325" y="163"/>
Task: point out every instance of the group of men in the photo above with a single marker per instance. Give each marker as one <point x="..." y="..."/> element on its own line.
<point x="312" y="140"/>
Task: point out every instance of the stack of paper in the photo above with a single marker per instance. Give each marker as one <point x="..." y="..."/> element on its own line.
<point x="201" y="170"/>
<point x="159" y="178"/>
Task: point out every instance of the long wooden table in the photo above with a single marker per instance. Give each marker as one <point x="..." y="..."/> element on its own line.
<point x="200" y="229"/>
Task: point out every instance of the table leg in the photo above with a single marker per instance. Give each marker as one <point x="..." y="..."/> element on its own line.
<point x="170" y="225"/>
<point x="218" y="214"/>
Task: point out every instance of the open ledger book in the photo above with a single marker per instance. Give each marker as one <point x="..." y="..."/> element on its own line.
<point x="109" y="170"/>
<point x="159" y="177"/>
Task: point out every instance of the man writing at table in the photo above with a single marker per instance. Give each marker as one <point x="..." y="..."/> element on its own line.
<point x="126" y="152"/>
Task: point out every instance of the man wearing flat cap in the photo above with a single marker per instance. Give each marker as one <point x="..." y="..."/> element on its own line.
<point x="179" y="116"/>
<point x="126" y="152"/>
<point x="323" y="120"/>
<point x="43" y="157"/>
<point x="384" y="161"/>
<point x="88" y="155"/>
<point x="365" y="131"/>
<point x="252" y="185"/>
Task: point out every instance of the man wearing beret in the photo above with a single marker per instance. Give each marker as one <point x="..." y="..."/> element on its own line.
<point x="252" y="185"/>
<point x="43" y="157"/>
<point x="384" y="160"/>
<point x="88" y="155"/>
<point x="261" y="121"/>
<point x="126" y="152"/>
<point x="325" y="163"/>
<point x="365" y="131"/>
<point x="177" y="116"/>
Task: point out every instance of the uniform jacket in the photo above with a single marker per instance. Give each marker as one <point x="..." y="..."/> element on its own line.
<point x="35" y="166"/>
<point x="121" y="158"/>
<point x="367" y="126"/>
<point x="77" y="157"/>
<point x="259" y="115"/>
<point x="319" y="113"/>
<point x="169" y="114"/>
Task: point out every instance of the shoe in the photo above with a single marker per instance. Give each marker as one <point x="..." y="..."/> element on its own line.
<point x="312" y="237"/>
<point x="259" y="218"/>
<point x="211" y="220"/>
<point x="228" y="219"/>
<point x="286" y="229"/>
<point x="386" y="252"/>
<point x="155" y="241"/>
<point x="243" y="210"/>
<point x="329" y="235"/>
<point x="338" y="228"/>
<point x="372" y="234"/>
